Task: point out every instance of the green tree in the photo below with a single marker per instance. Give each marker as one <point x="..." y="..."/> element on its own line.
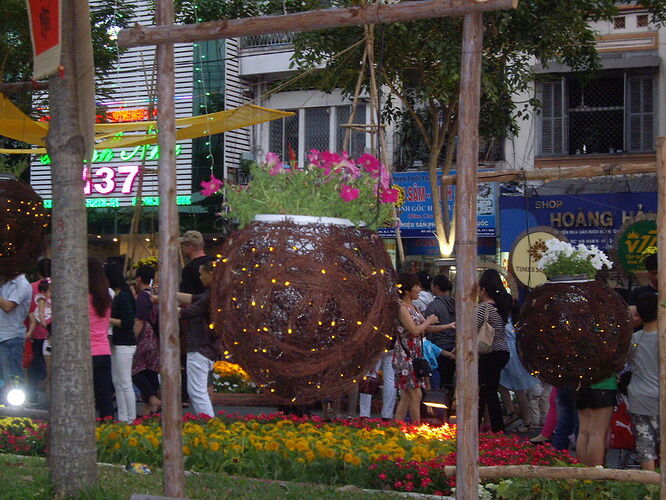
<point x="420" y="62"/>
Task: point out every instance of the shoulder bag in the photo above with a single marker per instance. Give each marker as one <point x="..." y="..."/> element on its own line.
<point x="486" y="334"/>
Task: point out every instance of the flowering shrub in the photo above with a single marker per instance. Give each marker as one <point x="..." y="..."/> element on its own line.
<point x="230" y="377"/>
<point x="328" y="185"/>
<point x="429" y="476"/>
<point x="562" y="258"/>
<point x="147" y="261"/>
<point x="22" y="436"/>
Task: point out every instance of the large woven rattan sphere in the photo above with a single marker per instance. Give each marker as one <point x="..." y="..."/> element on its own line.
<point x="305" y="309"/>
<point x="573" y="334"/>
<point x="23" y="222"/>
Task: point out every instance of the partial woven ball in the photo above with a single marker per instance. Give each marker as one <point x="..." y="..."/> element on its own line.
<point x="23" y="222"/>
<point x="573" y="334"/>
<point x="304" y="309"/>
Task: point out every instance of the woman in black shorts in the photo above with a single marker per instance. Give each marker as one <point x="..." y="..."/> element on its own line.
<point x="595" y="408"/>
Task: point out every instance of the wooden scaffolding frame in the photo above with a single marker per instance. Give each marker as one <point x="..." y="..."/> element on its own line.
<point x="165" y="34"/>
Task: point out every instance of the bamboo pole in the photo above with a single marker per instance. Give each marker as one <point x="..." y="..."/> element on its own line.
<point x="174" y="476"/>
<point x="661" y="320"/>
<point x="467" y="446"/>
<point x="550" y="174"/>
<point x="306" y="21"/>
<point x="548" y="472"/>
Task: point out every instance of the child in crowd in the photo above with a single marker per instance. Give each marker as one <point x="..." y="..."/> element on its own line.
<point x="644" y="386"/>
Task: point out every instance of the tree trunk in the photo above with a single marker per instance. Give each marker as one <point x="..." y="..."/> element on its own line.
<point x="72" y="451"/>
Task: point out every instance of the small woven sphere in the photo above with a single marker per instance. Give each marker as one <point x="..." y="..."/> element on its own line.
<point x="304" y="309"/>
<point x="23" y="222"/>
<point x="573" y="334"/>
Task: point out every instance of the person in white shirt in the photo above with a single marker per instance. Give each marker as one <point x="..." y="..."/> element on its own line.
<point x="15" y="298"/>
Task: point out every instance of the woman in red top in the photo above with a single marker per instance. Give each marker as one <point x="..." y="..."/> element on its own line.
<point x="99" y="315"/>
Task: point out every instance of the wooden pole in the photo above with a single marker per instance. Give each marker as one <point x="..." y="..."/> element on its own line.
<point x="661" y="320"/>
<point x="174" y="476"/>
<point x="72" y="451"/>
<point x="467" y="390"/>
<point x="551" y="174"/>
<point x="307" y="21"/>
<point x="562" y="473"/>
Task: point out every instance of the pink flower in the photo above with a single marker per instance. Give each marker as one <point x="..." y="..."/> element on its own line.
<point x="348" y="193"/>
<point x="211" y="187"/>
<point x="389" y="195"/>
<point x="382" y="476"/>
<point x="277" y="168"/>
<point x="272" y="159"/>
<point x="369" y="163"/>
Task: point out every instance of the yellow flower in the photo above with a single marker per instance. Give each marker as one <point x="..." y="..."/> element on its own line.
<point x="132" y="441"/>
<point x="186" y="450"/>
<point x="214" y="446"/>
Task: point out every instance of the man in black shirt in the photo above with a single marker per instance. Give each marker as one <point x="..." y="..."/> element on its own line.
<point x="192" y="246"/>
<point x="202" y="343"/>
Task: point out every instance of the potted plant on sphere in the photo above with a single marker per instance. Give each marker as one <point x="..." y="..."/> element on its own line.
<point x="573" y="330"/>
<point x="329" y="186"/>
<point x="304" y="294"/>
<point x="563" y="262"/>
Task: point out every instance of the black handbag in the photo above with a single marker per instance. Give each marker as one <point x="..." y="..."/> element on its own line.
<point x="368" y="385"/>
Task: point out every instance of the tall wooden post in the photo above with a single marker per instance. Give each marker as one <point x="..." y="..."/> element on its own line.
<point x="174" y="476"/>
<point x="72" y="451"/>
<point x="467" y="390"/>
<point x="661" y="320"/>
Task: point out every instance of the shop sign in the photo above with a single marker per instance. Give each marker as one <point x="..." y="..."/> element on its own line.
<point x="590" y="219"/>
<point x="526" y="251"/>
<point x="416" y="212"/>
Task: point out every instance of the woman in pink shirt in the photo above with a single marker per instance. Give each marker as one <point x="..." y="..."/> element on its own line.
<point x="99" y="315"/>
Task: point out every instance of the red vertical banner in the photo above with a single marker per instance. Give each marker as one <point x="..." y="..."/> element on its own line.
<point x="45" y="29"/>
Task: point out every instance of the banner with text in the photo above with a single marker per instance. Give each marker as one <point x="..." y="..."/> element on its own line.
<point x="415" y="206"/>
<point x="45" y="32"/>
<point x="590" y="219"/>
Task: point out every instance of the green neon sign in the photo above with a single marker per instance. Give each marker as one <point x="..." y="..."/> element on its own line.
<point x="144" y="152"/>
<point x="147" y="201"/>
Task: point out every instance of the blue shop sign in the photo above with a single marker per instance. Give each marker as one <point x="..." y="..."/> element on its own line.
<point x="415" y="211"/>
<point x="590" y="219"/>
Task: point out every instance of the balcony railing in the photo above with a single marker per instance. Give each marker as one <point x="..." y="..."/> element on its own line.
<point x="266" y="41"/>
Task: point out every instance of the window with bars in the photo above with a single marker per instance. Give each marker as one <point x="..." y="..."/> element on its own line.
<point x="284" y="135"/>
<point x="319" y="123"/>
<point x="611" y="114"/>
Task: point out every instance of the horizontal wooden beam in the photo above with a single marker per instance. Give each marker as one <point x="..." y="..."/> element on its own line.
<point x="547" y="472"/>
<point x="312" y="20"/>
<point x="553" y="174"/>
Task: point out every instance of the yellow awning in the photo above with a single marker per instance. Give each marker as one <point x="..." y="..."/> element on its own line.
<point x="16" y="125"/>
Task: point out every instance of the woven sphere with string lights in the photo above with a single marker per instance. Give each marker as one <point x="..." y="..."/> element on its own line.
<point x="573" y="334"/>
<point x="305" y="309"/>
<point x="23" y="222"/>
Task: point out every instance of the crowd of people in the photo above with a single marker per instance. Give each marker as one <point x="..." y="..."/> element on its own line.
<point x="124" y="333"/>
<point x="571" y="418"/>
<point x="125" y="353"/>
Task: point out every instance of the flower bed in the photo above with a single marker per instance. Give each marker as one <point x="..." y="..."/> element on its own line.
<point x="231" y="378"/>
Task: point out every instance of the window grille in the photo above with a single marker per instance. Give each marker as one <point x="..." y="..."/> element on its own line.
<point x="284" y="136"/>
<point x="641" y="20"/>
<point x="317" y="129"/>
<point x="619" y="23"/>
<point x="357" y="143"/>
<point x="611" y="114"/>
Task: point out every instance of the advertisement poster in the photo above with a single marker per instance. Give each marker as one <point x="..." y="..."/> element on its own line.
<point x="415" y="206"/>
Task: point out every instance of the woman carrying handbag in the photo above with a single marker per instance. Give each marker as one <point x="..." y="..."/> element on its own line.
<point x="408" y="352"/>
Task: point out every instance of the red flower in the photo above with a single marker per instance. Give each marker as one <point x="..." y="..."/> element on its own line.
<point x="348" y="193"/>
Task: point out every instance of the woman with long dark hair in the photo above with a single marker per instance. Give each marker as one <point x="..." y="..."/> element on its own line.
<point x="498" y="304"/>
<point x="123" y="341"/>
<point x="99" y="314"/>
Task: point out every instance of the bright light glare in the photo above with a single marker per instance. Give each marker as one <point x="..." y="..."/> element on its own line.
<point x="16" y="397"/>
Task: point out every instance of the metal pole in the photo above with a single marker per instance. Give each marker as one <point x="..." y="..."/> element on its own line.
<point x="467" y="472"/>
<point x="174" y="476"/>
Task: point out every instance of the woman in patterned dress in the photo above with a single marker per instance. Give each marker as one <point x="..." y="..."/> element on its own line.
<point x="409" y="345"/>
